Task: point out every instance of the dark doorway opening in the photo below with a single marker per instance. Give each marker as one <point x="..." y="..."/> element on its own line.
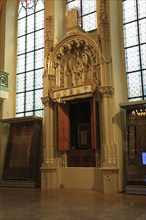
<point x="80" y="125"/>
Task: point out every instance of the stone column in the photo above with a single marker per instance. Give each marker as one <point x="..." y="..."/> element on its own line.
<point x="109" y="168"/>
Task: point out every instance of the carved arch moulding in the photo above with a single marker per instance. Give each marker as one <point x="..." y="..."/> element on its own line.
<point x="74" y="68"/>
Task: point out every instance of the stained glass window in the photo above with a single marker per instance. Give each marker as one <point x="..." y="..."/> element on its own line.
<point x="30" y="58"/>
<point x="87" y="12"/>
<point x="134" y="26"/>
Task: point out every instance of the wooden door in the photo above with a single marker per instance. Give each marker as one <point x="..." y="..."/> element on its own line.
<point x="63" y="127"/>
<point x="93" y="123"/>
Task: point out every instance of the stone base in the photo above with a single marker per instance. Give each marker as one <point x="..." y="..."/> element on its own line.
<point x="80" y="178"/>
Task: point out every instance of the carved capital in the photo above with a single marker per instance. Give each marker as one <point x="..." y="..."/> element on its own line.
<point x="47" y="101"/>
<point x="106" y="91"/>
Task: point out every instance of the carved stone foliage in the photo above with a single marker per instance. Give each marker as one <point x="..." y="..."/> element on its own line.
<point x="75" y="62"/>
<point x="49" y="30"/>
<point x="102" y="21"/>
<point x="106" y="91"/>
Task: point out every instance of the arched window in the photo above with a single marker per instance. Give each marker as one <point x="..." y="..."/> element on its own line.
<point x="30" y="58"/>
<point x="87" y="12"/>
<point x="134" y="24"/>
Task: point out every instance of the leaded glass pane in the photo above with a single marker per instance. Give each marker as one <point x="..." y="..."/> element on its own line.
<point x="131" y="34"/>
<point x="39" y="113"/>
<point x="29" y="101"/>
<point x="20" y="102"/>
<point x="89" y="22"/>
<point x="30" y="23"/>
<point x="29" y="61"/>
<point x="129" y="11"/>
<point x="32" y="19"/>
<point x="28" y="113"/>
<point x="141" y="8"/>
<point x="29" y="81"/>
<point x="39" y="58"/>
<point x="21" y="63"/>
<point x="39" y="21"/>
<point x="20" y="82"/>
<point x="132" y="59"/>
<point x="144" y="82"/>
<point x="19" y="115"/>
<point x="73" y="4"/>
<point x="39" y="39"/>
<point x="88" y="6"/>
<point x="143" y="55"/>
<point x="40" y="5"/>
<point x="38" y="78"/>
<point x="21" y="12"/>
<point x="21" y="27"/>
<point x="38" y="101"/>
<point x="134" y="84"/>
<point x="21" y="45"/>
<point x="30" y="42"/>
<point x="142" y="30"/>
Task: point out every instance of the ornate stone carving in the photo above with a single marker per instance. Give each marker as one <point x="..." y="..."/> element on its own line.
<point x="45" y="100"/>
<point x="106" y="91"/>
<point x="49" y="30"/>
<point x="102" y="21"/>
<point x="75" y="61"/>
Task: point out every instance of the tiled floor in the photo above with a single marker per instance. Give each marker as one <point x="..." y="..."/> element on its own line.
<point x="65" y="204"/>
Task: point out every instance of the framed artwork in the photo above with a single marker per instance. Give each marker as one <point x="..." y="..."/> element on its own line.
<point x="23" y="153"/>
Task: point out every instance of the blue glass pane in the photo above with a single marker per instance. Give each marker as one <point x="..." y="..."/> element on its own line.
<point x="134" y="84"/>
<point x="132" y="59"/>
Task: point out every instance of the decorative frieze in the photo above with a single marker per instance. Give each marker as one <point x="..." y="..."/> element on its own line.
<point x="102" y="21"/>
<point x="4" y="85"/>
<point x="49" y="36"/>
<point x="106" y="91"/>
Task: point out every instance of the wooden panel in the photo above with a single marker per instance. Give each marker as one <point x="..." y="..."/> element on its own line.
<point x="81" y="158"/>
<point x="23" y="154"/>
<point x="93" y="123"/>
<point x="63" y="127"/>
